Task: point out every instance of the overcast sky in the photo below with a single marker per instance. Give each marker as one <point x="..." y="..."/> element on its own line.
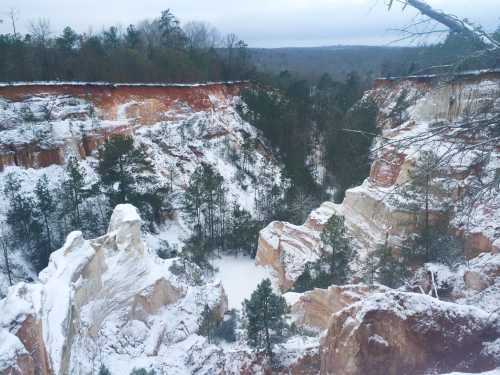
<point x="261" y="23"/>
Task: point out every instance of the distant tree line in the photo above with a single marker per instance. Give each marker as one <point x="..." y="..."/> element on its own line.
<point x="157" y="50"/>
<point x="456" y="52"/>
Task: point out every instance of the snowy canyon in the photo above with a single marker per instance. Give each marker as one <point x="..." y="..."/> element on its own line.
<point x="111" y="300"/>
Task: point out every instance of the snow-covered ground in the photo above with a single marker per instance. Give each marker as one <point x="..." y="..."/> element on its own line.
<point x="239" y="276"/>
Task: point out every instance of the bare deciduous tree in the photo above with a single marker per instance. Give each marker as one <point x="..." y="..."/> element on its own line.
<point x="201" y="35"/>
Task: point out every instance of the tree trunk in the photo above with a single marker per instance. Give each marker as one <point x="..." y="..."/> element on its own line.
<point x="7" y="264"/>
<point x="426" y="224"/>
<point x="453" y="23"/>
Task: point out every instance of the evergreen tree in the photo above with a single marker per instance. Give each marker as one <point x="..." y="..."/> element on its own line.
<point x="45" y="206"/>
<point x="244" y="231"/>
<point x="103" y="370"/>
<point x="370" y="269"/>
<point x="205" y="204"/>
<point x="74" y="191"/>
<point x="21" y="217"/>
<point x="197" y="250"/>
<point x="338" y="248"/>
<point x="391" y="271"/>
<point x="210" y="320"/>
<point x="305" y="281"/>
<point x="265" y="312"/>
<point x="127" y="176"/>
<point x="5" y="250"/>
<point x="424" y="195"/>
<point x="193" y="199"/>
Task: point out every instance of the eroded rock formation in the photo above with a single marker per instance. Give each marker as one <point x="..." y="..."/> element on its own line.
<point x="373" y="211"/>
<point x="314" y="309"/>
<point x="74" y="119"/>
<point x="286" y="248"/>
<point x="399" y="333"/>
<point x="102" y="298"/>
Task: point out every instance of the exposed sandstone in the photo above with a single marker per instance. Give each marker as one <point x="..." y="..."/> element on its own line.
<point x="109" y="109"/>
<point x="287" y="248"/>
<point x="404" y="333"/>
<point x="475" y="280"/>
<point x="107" y="291"/>
<point x="315" y="308"/>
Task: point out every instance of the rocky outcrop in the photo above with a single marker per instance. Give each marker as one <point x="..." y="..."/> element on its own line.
<point x="399" y="333"/>
<point x="286" y="248"/>
<point x="411" y="108"/>
<point x="314" y="309"/>
<point x="104" y="295"/>
<point x="74" y="119"/>
<point x="375" y="212"/>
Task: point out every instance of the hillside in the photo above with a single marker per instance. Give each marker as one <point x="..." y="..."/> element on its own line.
<point x="44" y="126"/>
<point x="402" y="330"/>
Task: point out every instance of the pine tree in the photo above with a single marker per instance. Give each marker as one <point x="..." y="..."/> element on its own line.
<point x="243" y="233"/>
<point x="265" y="312"/>
<point x="370" y="269"/>
<point x="391" y="271"/>
<point x="193" y="199"/>
<point x="20" y="212"/>
<point x="45" y="206"/>
<point x="119" y="164"/>
<point x="339" y="249"/>
<point x="210" y="320"/>
<point x="423" y="195"/>
<point x="74" y="191"/>
<point x="197" y="251"/>
<point x="205" y="204"/>
<point x="5" y="250"/>
<point x="127" y="176"/>
<point x="103" y="371"/>
<point x="305" y="281"/>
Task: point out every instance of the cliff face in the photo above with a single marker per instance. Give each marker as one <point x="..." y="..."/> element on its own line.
<point x="42" y="124"/>
<point x="410" y="111"/>
<point x="105" y="300"/>
<point x="383" y="331"/>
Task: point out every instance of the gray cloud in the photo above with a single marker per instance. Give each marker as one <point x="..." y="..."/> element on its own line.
<point x="262" y="23"/>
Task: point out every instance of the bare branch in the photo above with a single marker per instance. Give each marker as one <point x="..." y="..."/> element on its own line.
<point x="453" y="23"/>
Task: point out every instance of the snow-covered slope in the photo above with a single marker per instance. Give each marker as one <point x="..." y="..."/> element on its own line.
<point x="42" y="125"/>
<point x="417" y="115"/>
<point x="396" y="332"/>
<point x="107" y="301"/>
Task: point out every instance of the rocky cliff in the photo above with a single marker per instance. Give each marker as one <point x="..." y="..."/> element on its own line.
<point x="383" y="331"/>
<point x="179" y="126"/>
<point x="106" y="300"/>
<point x="42" y="123"/>
<point x="409" y="112"/>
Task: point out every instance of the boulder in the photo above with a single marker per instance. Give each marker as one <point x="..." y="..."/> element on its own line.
<point x="314" y="309"/>
<point x="475" y="280"/>
<point x="397" y="333"/>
